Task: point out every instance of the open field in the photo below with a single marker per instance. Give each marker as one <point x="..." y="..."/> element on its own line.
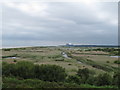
<point x="80" y="67"/>
<point x="53" y="55"/>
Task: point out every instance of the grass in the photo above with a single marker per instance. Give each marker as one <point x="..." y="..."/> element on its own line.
<point x="52" y="55"/>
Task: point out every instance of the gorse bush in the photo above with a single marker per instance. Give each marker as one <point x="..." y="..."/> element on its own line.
<point x="28" y="70"/>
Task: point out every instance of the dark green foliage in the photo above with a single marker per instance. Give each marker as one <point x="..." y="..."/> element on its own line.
<point x="8" y="69"/>
<point x="50" y="73"/>
<point x="117" y="61"/>
<point x="25" y="69"/>
<point x="10" y="82"/>
<point x="74" y="79"/>
<point x="15" y="60"/>
<point x="84" y="74"/>
<point x="116" y="78"/>
<point x="14" y="55"/>
<point x="6" y="49"/>
<point x="112" y="51"/>
<point x="103" y="79"/>
<point x="107" y="61"/>
<point x="91" y="80"/>
<point x="59" y="59"/>
<point x="28" y="70"/>
<point x="35" y="83"/>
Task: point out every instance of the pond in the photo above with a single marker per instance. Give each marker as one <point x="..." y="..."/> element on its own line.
<point x="65" y="55"/>
<point x="115" y="56"/>
<point x="11" y="57"/>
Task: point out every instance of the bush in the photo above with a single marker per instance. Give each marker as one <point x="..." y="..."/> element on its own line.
<point x="74" y="79"/>
<point x="24" y="69"/>
<point x="117" y="61"/>
<point x="91" y="80"/>
<point x="28" y="70"/>
<point x="50" y="73"/>
<point x="107" y="61"/>
<point x="15" y="61"/>
<point x="8" y="69"/>
<point x="116" y="78"/>
<point x="103" y="79"/>
<point x="85" y="74"/>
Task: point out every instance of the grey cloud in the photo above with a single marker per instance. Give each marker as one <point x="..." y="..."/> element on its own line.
<point x="65" y="22"/>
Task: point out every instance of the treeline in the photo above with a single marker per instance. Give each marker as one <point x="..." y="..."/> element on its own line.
<point x="27" y="70"/>
<point x="112" y="51"/>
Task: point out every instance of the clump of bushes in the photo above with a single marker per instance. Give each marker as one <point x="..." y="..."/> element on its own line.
<point x="59" y="59"/>
<point x="14" y="55"/>
<point x="107" y="61"/>
<point x="103" y="79"/>
<point x="15" y="61"/>
<point x="28" y="70"/>
<point x="52" y="73"/>
<point x="6" y="49"/>
<point x="117" y="62"/>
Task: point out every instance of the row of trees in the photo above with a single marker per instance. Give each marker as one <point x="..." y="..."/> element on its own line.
<point x="28" y="70"/>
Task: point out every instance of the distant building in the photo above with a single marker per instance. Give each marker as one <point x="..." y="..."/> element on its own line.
<point x="69" y="44"/>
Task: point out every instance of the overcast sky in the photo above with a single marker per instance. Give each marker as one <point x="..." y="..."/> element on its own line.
<point x="55" y="23"/>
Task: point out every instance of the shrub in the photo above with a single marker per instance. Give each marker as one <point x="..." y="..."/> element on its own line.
<point x="15" y="61"/>
<point x="107" y="61"/>
<point x="116" y="78"/>
<point x="117" y="61"/>
<point x="8" y="69"/>
<point x="84" y="74"/>
<point x="103" y="79"/>
<point x="50" y="73"/>
<point x="91" y="80"/>
<point x="74" y="79"/>
<point x="26" y="70"/>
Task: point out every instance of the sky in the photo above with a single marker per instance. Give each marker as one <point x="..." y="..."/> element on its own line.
<point x="58" y="23"/>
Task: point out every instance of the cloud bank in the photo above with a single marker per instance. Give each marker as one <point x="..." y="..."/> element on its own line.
<point x="54" y="23"/>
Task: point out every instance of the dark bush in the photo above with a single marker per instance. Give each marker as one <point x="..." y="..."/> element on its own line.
<point x="74" y="79"/>
<point x="84" y="74"/>
<point x="15" y="60"/>
<point x="103" y="79"/>
<point x="117" y="61"/>
<point x="107" y="61"/>
<point x="50" y="73"/>
<point x="27" y="70"/>
<point x="116" y="78"/>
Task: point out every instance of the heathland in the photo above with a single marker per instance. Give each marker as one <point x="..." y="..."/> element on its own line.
<point x="60" y="67"/>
